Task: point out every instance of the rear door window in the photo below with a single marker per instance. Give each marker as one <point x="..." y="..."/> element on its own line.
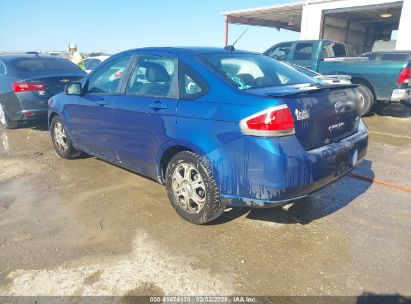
<point x="191" y="85"/>
<point x="303" y="51"/>
<point x="154" y="76"/>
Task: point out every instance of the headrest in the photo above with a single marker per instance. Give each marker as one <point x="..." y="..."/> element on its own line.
<point x="156" y="73"/>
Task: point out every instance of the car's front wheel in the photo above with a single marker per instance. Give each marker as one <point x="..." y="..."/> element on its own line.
<point x="5" y="122"/>
<point x="192" y="189"/>
<point x="61" y="139"/>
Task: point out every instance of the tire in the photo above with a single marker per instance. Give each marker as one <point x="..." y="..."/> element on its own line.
<point x="367" y="99"/>
<point x="5" y="122"/>
<point x="192" y="190"/>
<point x="61" y="139"/>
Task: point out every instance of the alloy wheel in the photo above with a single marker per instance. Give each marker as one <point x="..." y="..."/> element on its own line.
<point x="188" y="188"/>
<point x="60" y="137"/>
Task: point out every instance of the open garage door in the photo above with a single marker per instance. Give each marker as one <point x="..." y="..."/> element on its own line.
<point x="359" y="27"/>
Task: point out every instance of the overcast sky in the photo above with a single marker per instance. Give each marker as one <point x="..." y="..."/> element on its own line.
<point x="112" y="26"/>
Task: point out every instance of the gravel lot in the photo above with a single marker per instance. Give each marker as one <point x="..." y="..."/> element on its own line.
<point x="86" y="227"/>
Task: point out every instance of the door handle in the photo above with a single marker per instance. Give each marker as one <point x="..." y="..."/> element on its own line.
<point x="102" y="102"/>
<point x="158" y="105"/>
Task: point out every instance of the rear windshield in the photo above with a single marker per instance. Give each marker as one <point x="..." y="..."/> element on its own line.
<point x="29" y="65"/>
<point x="333" y="49"/>
<point x="252" y="71"/>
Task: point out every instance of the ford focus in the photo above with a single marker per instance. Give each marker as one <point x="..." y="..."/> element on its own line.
<point x="218" y="127"/>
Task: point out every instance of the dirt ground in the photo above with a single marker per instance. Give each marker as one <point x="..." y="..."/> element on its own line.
<point x="86" y="227"/>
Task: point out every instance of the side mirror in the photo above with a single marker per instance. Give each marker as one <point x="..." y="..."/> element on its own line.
<point x="73" y="88"/>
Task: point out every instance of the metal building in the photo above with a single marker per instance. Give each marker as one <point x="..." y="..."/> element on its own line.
<point x="357" y="23"/>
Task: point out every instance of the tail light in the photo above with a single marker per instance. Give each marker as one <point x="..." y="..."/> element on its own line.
<point x="275" y="121"/>
<point x="404" y="76"/>
<point x="21" y="86"/>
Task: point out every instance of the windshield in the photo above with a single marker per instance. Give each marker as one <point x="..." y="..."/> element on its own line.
<point x="252" y="71"/>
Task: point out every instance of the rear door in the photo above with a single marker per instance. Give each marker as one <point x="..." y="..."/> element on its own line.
<point x="145" y="116"/>
<point x="91" y="115"/>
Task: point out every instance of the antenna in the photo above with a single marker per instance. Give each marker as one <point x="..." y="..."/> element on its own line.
<point x="231" y="47"/>
<point x="239" y="37"/>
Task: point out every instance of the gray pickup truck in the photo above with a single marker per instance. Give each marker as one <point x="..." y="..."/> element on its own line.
<point x="384" y="81"/>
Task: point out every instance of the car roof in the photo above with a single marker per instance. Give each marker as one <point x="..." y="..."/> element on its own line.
<point x="8" y="57"/>
<point x="307" y="41"/>
<point x="101" y="57"/>
<point x="191" y="50"/>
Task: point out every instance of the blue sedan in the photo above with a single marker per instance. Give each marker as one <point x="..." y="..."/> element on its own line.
<point x="218" y="127"/>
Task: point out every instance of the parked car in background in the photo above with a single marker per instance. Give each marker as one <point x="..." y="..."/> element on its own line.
<point x="388" y="56"/>
<point x="385" y="81"/>
<point x="36" y="53"/>
<point x="62" y="54"/>
<point x="330" y="79"/>
<point x="217" y="127"/>
<point x="91" y="62"/>
<point x="27" y="82"/>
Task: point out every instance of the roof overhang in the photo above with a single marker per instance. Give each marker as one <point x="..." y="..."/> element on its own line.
<point x="282" y="16"/>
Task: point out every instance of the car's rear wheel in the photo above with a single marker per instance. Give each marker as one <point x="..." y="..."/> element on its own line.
<point x="61" y="139"/>
<point x="5" y="122"/>
<point x="366" y="98"/>
<point x="191" y="188"/>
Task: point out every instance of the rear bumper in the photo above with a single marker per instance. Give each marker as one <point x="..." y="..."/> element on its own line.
<point x="26" y="106"/>
<point x="27" y="115"/>
<point x="399" y="95"/>
<point x="265" y="172"/>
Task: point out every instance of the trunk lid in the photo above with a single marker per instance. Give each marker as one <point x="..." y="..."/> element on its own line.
<point x="55" y="83"/>
<point x="322" y="114"/>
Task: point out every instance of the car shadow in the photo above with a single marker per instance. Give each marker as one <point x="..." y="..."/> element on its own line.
<point x="317" y="205"/>
<point x="37" y="125"/>
<point x="373" y="298"/>
<point x="394" y="110"/>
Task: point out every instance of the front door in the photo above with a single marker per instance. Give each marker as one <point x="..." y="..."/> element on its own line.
<point x="92" y="114"/>
<point x="145" y="116"/>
